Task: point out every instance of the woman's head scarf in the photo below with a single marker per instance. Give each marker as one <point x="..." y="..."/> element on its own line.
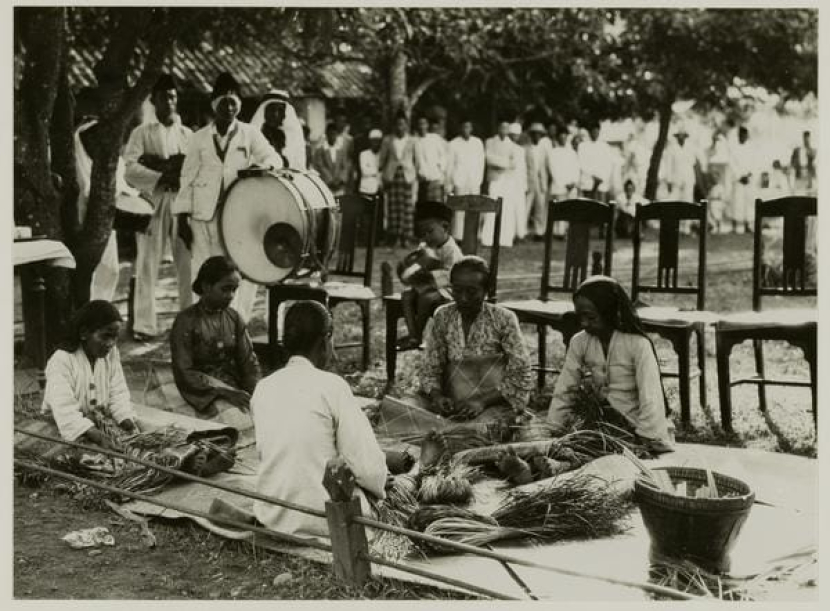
<point x="294" y="151"/>
<point x="91" y="316"/>
<point x="612" y="303"/>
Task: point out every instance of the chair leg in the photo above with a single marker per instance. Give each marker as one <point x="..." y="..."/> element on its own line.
<point x="681" y="347"/>
<point x="366" y="312"/>
<point x="758" y="347"/>
<point x="542" y="332"/>
<point x="723" y="348"/>
<point x="701" y="363"/>
<point x="391" y="346"/>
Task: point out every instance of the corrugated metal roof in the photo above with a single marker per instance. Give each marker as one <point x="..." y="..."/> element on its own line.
<point x="256" y="66"/>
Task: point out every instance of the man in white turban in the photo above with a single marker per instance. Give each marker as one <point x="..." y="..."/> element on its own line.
<point x="278" y="121"/>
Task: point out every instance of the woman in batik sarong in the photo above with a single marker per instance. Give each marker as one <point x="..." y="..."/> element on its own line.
<point x="476" y="365"/>
<point x="213" y="358"/>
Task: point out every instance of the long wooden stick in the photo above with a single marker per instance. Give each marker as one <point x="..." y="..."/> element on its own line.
<point x="461" y="547"/>
<point x="261" y="530"/>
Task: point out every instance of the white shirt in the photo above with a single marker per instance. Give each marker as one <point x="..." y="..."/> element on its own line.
<point x="399" y="144"/>
<point x="431" y="157"/>
<point x="222" y="139"/>
<point x="629" y="377"/>
<point x="73" y="384"/>
<point x="502" y="156"/>
<point x="369" y="172"/>
<point x="595" y="160"/>
<point x="680" y="164"/>
<point x="303" y="417"/>
<point x="466" y="163"/>
<point x="563" y="164"/>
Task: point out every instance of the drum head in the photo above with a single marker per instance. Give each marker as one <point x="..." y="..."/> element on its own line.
<point x="262" y="222"/>
<point x="325" y="210"/>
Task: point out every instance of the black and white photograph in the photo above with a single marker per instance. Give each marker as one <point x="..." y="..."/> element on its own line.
<point x="427" y="302"/>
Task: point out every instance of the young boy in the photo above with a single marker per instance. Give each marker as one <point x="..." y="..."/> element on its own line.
<point x="426" y="269"/>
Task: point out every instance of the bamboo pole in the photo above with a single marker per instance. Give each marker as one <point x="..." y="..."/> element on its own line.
<point x="264" y="531"/>
<point x="461" y="547"/>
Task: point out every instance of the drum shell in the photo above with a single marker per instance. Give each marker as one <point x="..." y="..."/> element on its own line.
<point x="259" y="200"/>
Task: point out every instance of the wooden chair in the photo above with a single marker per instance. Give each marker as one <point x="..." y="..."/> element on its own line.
<point x="358" y="219"/>
<point x="473" y="206"/>
<point x="799" y="327"/>
<point x="674" y="324"/>
<point x="581" y="215"/>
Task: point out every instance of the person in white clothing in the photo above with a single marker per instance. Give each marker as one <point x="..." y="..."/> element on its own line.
<point x="215" y="155"/>
<point x="680" y="176"/>
<point x="744" y="186"/>
<point x="502" y="156"/>
<point x="278" y="121"/>
<point x="596" y="164"/>
<point x="538" y="180"/>
<point x="465" y="171"/>
<point x="304" y="417"/>
<point x="369" y="165"/>
<point x="431" y="162"/>
<point x="153" y="159"/>
<point x="520" y="183"/>
<point x="564" y="171"/>
<point x="804" y="162"/>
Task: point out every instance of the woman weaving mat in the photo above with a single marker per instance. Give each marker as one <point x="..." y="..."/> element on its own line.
<point x="476" y="367"/>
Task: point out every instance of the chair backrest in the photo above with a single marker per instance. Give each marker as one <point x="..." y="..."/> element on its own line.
<point x="581" y="215"/>
<point x="669" y="214"/>
<point x="358" y="217"/>
<point x="473" y="207"/>
<point x="794" y="211"/>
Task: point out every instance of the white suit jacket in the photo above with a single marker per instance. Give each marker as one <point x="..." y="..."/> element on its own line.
<point x="205" y="177"/>
<point x="149" y="139"/>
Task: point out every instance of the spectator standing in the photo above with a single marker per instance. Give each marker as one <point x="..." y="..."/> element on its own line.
<point x="520" y="183"/>
<point x="803" y="164"/>
<point x="502" y="156"/>
<point x="563" y="168"/>
<point x="538" y="180"/>
<point x="331" y="161"/>
<point x="430" y="161"/>
<point x="596" y="165"/>
<point x="465" y="170"/>
<point x="744" y="183"/>
<point x="718" y="179"/>
<point x="397" y="167"/>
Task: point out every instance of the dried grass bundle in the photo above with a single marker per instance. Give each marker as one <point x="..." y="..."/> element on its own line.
<point x="451" y="484"/>
<point x="424" y="516"/>
<point x="470" y="532"/>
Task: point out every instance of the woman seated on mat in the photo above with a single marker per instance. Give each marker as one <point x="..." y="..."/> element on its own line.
<point x="214" y="364"/>
<point x="88" y="397"/>
<point x="476" y="364"/>
<point x="621" y="360"/>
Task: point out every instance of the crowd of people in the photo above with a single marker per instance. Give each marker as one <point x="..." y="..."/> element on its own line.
<point x="529" y="165"/>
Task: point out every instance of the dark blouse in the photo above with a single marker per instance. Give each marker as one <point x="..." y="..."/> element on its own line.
<point x="211" y="343"/>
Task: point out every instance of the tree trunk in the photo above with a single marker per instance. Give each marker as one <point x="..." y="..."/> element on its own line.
<point x="398" y="96"/>
<point x="37" y="203"/>
<point x="653" y="176"/>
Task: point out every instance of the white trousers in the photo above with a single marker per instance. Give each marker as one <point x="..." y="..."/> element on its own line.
<point x="742" y="209"/>
<point x="151" y="246"/>
<point x="537" y="210"/>
<point x="206" y="244"/>
<point x="505" y="187"/>
<point x="458" y="217"/>
<point x="105" y="276"/>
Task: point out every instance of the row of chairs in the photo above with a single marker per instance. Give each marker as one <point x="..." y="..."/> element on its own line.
<point x="583" y="218"/>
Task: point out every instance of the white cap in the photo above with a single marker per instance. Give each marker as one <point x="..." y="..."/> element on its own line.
<point x="515" y="129"/>
<point x="375" y="134"/>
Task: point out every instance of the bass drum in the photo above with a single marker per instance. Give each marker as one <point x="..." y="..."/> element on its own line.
<point x="275" y="224"/>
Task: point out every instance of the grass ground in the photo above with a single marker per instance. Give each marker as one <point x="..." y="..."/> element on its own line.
<point x="46" y="568"/>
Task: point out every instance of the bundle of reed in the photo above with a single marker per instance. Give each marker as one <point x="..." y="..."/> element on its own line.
<point x="424" y="516"/>
<point x="492" y="454"/>
<point x="471" y="532"/>
<point x="460" y="437"/>
<point x="451" y="484"/>
<point x="569" y="508"/>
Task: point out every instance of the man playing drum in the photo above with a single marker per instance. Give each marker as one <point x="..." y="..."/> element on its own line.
<point x="153" y="159"/>
<point x="215" y="155"/>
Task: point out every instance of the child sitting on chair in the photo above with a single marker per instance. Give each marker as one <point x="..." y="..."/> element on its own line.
<point x="426" y="270"/>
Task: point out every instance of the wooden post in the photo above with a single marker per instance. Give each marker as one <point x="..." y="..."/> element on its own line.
<point x="348" y="539"/>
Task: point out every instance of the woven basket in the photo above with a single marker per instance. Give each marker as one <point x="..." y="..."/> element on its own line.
<point x="701" y="530"/>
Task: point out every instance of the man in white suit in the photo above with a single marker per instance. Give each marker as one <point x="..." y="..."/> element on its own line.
<point x="153" y="159"/>
<point x="215" y="155"/>
<point x="538" y="180"/>
<point x="465" y="171"/>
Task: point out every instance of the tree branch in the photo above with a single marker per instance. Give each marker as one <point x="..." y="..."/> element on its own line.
<point x="423" y="86"/>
